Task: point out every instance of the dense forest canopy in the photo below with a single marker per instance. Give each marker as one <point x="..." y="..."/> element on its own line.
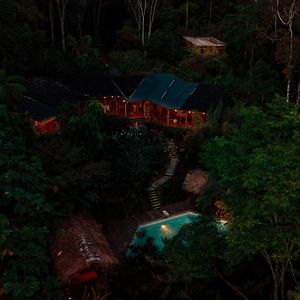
<point x="248" y="145"/>
<point x="262" y="40"/>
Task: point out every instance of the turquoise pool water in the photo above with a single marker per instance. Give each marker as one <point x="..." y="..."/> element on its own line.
<point x="159" y="230"/>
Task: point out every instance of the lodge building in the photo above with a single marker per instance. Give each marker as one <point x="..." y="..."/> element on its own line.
<point x="162" y="97"/>
<point x="166" y="99"/>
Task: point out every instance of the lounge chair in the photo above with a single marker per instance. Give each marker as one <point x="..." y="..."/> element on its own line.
<point x="165" y="213"/>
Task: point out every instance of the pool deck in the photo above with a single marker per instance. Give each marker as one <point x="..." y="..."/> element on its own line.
<point x="119" y="232"/>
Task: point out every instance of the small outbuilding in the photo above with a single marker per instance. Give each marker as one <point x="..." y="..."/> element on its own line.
<point x="42" y="115"/>
<point x="205" y="46"/>
<point x="80" y="251"/>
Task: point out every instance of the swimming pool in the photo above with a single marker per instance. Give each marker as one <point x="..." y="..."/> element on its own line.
<point x="162" y="229"/>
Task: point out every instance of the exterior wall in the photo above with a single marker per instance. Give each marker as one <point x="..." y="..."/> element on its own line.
<point x="208" y="51"/>
<point x="143" y="111"/>
<point x="50" y="126"/>
<point x="205" y="51"/>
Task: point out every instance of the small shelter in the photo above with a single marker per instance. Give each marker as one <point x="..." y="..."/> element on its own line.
<point x="205" y="46"/>
<point x="42" y="101"/>
<point x="42" y="115"/>
<point x="80" y="251"/>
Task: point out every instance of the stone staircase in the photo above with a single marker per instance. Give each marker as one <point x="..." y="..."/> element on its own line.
<point x="153" y="189"/>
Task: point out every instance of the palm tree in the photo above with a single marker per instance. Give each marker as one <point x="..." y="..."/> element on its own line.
<point x="11" y="90"/>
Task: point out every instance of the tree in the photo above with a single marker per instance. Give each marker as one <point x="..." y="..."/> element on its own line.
<point x="143" y="275"/>
<point x="257" y="166"/>
<point x="11" y="90"/>
<point x="130" y="62"/>
<point x="290" y="11"/>
<point x="197" y="253"/>
<point x="87" y="56"/>
<point x="21" y="35"/>
<point x="135" y="155"/>
<point x="86" y="130"/>
<point x="61" y="8"/>
<point x="144" y="14"/>
<point x="26" y="214"/>
<point x="51" y="19"/>
<point x="202" y="236"/>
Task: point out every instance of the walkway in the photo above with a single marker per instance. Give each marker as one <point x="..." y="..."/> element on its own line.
<point x="153" y="189"/>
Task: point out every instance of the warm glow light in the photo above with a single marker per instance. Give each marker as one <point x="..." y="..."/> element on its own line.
<point x="175" y="110"/>
<point x="165" y="229"/>
<point x="124" y="101"/>
<point x="189" y="111"/>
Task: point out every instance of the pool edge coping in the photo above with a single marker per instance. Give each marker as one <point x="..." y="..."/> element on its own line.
<point x="167" y="218"/>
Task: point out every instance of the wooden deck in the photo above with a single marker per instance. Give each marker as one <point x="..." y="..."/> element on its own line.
<point x="119" y="232"/>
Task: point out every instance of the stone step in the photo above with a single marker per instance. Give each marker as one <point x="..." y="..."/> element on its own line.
<point x="152" y="189"/>
<point x="151" y="192"/>
<point x="152" y="195"/>
<point x="154" y="203"/>
<point x="154" y="200"/>
<point x="170" y="174"/>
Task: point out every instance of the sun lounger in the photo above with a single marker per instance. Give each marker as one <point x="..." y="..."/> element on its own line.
<point x="166" y="213"/>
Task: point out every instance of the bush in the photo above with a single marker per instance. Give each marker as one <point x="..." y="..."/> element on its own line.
<point x="175" y="133"/>
<point x="115" y="123"/>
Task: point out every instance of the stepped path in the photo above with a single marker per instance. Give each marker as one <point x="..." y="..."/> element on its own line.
<point x="153" y="189"/>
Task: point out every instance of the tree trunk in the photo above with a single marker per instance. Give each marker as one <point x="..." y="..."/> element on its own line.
<point x="51" y="19"/>
<point x="81" y="11"/>
<point x="290" y="61"/>
<point x="282" y="285"/>
<point x="144" y="13"/>
<point x="290" y="14"/>
<point x="151" y="16"/>
<point x="61" y="7"/>
<point x="62" y="31"/>
<point x="288" y="90"/>
<point x="187" y="15"/>
<point x="298" y="92"/>
<point x="97" y="13"/>
<point x="143" y="30"/>
<point x="234" y="288"/>
<point x="278" y="273"/>
<point x="275" y="291"/>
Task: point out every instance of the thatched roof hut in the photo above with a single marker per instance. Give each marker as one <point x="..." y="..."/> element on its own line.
<point x="79" y="246"/>
<point x="195" y="181"/>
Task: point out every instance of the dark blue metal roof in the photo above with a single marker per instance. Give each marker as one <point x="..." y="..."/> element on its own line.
<point x="164" y="89"/>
